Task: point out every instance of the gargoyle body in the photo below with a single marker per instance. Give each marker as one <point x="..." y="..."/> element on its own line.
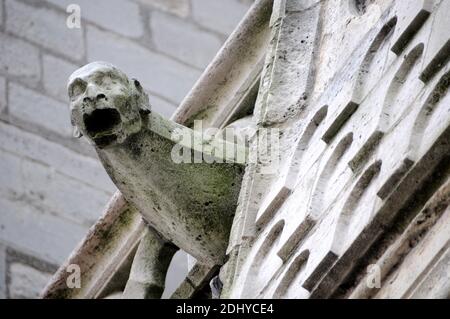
<point x="190" y="204"/>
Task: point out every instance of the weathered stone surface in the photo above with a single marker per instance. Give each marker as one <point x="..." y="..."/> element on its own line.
<point x="68" y="197"/>
<point x="2" y="272"/>
<point x="149" y="269"/>
<point x="19" y="59"/>
<point x="55" y="73"/>
<point x="200" y="274"/>
<point x="162" y="106"/>
<point x="417" y="264"/>
<point x="58" y="157"/>
<point x="437" y="283"/>
<point x="1" y="12"/>
<point x="405" y="244"/>
<point x="182" y="40"/>
<point x="359" y="159"/>
<point x="37" y="52"/>
<point x="411" y="16"/>
<point x="197" y="278"/>
<point x="107" y="248"/>
<point x="350" y="174"/>
<point x="31" y="107"/>
<point x="10" y="173"/>
<point x="109" y="15"/>
<point x="292" y="61"/>
<point x="213" y="14"/>
<point x="3" y="100"/>
<point x="351" y="27"/>
<point x="25" y="281"/>
<point x="49" y="237"/>
<point x="44" y="27"/>
<point x="438" y="48"/>
<point x="180" y="8"/>
<point x="232" y="75"/>
<point x="292" y="6"/>
<point x="136" y="146"/>
<point x="157" y="73"/>
<point x="44" y="189"/>
<point x="184" y="291"/>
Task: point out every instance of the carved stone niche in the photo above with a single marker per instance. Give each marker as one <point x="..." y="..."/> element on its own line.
<point x="185" y="186"/>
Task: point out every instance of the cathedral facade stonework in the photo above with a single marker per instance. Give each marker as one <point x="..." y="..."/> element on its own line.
<point x="349" y="196"/>
<point x="358" y="205"/>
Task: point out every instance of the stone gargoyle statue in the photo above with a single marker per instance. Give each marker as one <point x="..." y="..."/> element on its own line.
<point x="188" y="203"/>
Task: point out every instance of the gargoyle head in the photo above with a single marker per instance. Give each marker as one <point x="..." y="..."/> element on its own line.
<point x="105" y="105"/>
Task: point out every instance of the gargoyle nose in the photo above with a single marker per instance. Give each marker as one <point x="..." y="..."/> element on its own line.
<point x="96" y="98"/>
<point x="92" y="94"/>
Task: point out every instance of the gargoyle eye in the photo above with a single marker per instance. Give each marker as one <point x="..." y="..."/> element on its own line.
<point x="77" y="88"/>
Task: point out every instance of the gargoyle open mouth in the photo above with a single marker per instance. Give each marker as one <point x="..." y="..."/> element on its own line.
<point x="101" y="124"/>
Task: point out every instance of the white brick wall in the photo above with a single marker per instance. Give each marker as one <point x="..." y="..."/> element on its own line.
<point x="212" y="14"/>
<point x="1" y="13"/>
<point x="161" y="105"/>
<point x="2" y="271"/>
<point x="183" y="40"/>
<point x="52" y="188"/>
<point x="2" y="94"/>
<point x="59" y="158"/>
<point x="32" y="107"/>
<point x="26" y="281"/>
<point x="44" y="27"/>
<point x="180" y="8"/>
<point x="158" y="73"/>
<point x="35" y="232"/>
<point x="19" y="59"/>
<point x="56" y="71"/>
<point x="109" y="14"/>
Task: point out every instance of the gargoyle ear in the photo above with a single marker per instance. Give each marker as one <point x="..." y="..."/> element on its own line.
<point x="143" y="98"/>
<point x="137" y="85"/>
<point x="76" y="132"/>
